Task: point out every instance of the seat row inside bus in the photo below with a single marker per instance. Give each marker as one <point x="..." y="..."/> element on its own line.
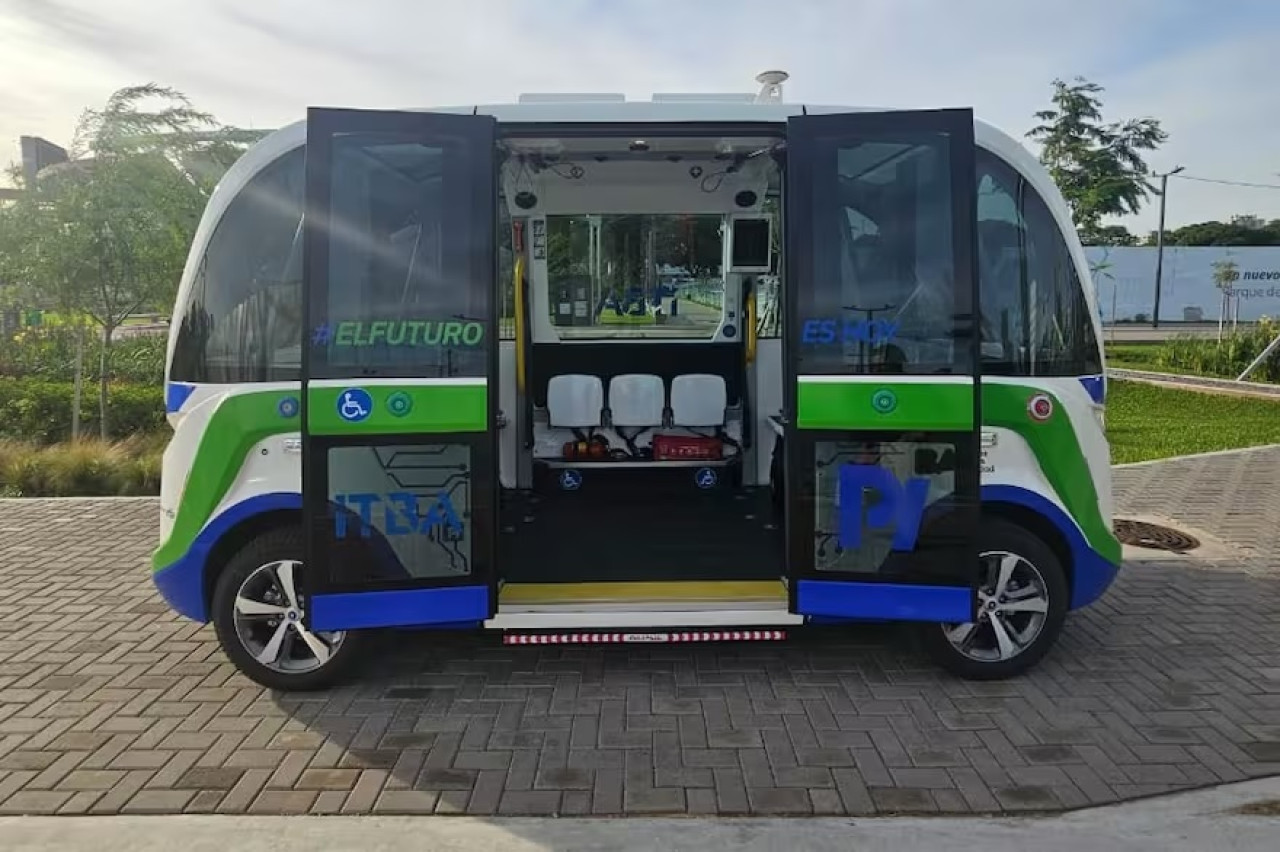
<point x="635" y="400"/>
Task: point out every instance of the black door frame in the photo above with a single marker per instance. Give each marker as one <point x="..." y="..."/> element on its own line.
<point x="323" y="124"/>
<point x="800" y="189"/>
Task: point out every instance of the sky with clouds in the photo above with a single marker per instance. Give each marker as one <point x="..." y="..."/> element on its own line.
<point x="1208" y="71"/>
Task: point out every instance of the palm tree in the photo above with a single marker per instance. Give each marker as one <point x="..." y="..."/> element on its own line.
<point x="1225" y="273"/>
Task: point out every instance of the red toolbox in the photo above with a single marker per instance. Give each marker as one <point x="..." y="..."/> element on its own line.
<point x="686" y="447"/>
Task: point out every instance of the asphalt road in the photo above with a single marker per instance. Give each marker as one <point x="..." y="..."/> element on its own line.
<point x="1144" y="333"/>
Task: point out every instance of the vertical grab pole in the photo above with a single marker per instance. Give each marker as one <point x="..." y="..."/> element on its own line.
<point x="518" y="286"/>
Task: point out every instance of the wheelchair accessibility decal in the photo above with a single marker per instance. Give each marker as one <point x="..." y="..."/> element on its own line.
<point x="570" y="480"/>
<point x="705" y="478"/>
<point x="355" y="405"/>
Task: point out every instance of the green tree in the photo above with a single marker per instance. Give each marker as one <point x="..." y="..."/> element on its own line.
<point x="1113" y="235"/>
<point x="1240" y="231"/>
<point x="1098" y="165"/>
<point x="1225" y="274"/>
<point x="107" y="234"/>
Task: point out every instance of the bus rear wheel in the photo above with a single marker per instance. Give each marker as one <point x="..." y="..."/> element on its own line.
<point x="1022" y="603"/>
<point x="257" y="610"/>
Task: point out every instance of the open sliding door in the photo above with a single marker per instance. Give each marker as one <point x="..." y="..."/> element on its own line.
<point x="399" y="399"/>
<point x="882" y="366"/>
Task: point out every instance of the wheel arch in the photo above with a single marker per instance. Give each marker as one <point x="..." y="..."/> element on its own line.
<point x="236" y="538"/>
<point x="225" y="536"/>
<point x="1089" y="573"/>
<point x="1038" y="525"/>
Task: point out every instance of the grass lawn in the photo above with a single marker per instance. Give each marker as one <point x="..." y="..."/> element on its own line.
<point x="1149" y="422"/>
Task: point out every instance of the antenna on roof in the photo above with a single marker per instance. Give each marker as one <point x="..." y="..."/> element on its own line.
<point x="771" y="86"/>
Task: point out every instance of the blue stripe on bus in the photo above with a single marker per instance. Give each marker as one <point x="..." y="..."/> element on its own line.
<point x="889" y="601"/>
<point x="1090" y="572"/>
<point x="1096" y="386"/>
<point x="405" y="608"/>
<point x="182" y="584"/>
<point x="175" y="395"/>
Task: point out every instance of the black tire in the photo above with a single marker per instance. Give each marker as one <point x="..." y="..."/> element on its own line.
<point x="278" y="545"/>
<point x="999" y="536"/>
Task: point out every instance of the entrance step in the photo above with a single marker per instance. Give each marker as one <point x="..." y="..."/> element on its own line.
<point x="702" y="594"/>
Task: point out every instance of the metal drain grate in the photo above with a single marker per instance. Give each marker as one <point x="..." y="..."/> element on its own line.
<point x="1154" y="536"/>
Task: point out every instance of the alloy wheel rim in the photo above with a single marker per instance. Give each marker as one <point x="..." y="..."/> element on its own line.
<point x="268" y="621"/>
<point x="1013" y="606"/>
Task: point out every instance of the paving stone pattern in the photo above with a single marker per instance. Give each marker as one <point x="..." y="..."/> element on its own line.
<point x="110" y="704"/>
<point x="1235" y="496"/>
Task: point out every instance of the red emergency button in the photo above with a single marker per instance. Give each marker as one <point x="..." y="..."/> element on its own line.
<point x="1040" y="407"/>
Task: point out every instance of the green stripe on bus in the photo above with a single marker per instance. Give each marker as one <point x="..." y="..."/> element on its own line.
<point x="403" y="408"/>
<point x="240" y="421"/>
<point x="886" y="405"/>
<point x="1057" y="448"/>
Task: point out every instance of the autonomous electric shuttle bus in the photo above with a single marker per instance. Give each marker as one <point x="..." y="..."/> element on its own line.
<point x="581" y="369"/>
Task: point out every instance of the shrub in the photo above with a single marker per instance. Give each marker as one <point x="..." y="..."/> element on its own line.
<point x="1227" y="358"/>
<point x="39" y="411"/>
<point x="85" y="468"/>
<point x="49" y="352"/>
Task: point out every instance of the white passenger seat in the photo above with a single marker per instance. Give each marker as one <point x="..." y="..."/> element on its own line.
<point x="574" y="401"/>
<point x="698" y="400"/>
<point x="637" y="400"/>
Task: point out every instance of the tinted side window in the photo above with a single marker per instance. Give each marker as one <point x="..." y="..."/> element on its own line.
<point x="884" y="301"/>
<point x="1035" y="320"/>
<point x="243" y="319"/>
<point x="409" y="277"/>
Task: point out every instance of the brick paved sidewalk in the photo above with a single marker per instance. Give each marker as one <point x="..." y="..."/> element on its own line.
<point x="108" y="703"/>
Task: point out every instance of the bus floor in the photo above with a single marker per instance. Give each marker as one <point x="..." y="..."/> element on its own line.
<point x="729" y="534"/>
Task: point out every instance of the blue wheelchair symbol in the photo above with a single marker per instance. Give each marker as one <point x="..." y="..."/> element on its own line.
<point x="706" y="478"/>
<point x="570" y="480"/>
<point x="288" y="407"/>
<point x="355" y="405"/>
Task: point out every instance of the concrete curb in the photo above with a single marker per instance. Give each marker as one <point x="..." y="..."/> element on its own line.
<point x="1195" y="456"/>
<point x="1203" y="384"/>
<point x="1182" y="822"/>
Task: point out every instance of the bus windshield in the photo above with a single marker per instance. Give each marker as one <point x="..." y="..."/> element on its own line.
<point x="635" y="276"/>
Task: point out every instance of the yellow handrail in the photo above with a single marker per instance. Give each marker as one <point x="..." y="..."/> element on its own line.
<point x="751" y="327"/>
<point x="520" y="331"/>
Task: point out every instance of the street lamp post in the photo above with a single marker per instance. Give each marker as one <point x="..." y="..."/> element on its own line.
<point x="1164" y="192"/>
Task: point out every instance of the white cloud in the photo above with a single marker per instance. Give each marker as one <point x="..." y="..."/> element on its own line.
<point x="260" y="64"/>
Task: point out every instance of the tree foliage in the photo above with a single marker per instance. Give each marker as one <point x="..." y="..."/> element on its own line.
<point x="1098" y="165"/>
<point x="1240" y="231"/>
<point x="1113" y="235"/>
<point x="107" y="234"/>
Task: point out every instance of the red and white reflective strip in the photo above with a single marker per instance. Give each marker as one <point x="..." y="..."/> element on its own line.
<point x="625" y="638"/>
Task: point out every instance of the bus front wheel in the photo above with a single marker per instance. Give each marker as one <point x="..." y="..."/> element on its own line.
<point x="257" y="610"/>
<point x="1022" y="603"/>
